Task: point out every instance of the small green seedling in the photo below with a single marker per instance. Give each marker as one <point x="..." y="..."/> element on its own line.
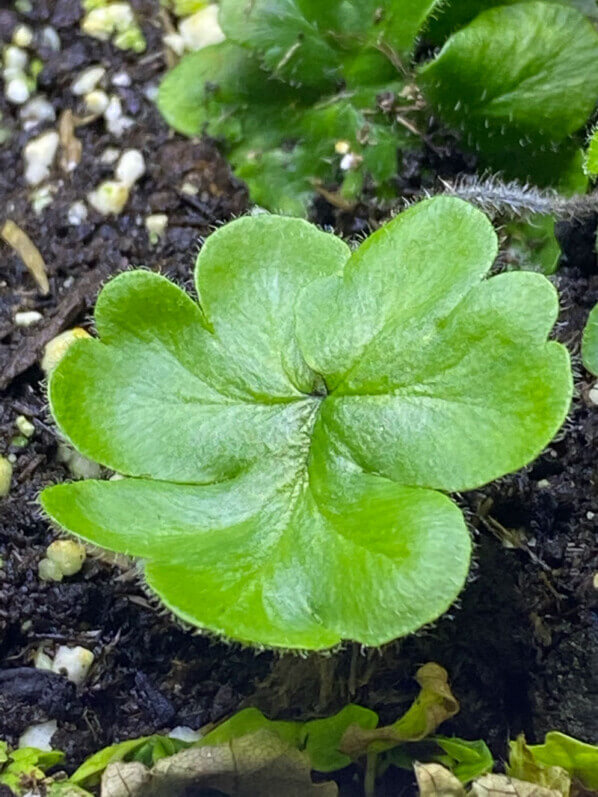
<point x="313" y="96"/>
<point x="145" y="750"/>
<point x="289" y="440"/>
<point x="328" y="744"/>
<point x="21" y="769"/>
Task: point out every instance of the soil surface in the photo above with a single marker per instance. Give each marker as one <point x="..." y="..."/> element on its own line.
<point x="521" y="646"/>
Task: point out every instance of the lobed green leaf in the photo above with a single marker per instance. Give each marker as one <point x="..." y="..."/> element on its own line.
<point x="285" y="438"/>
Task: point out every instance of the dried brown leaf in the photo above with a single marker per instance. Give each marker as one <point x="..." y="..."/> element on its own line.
<point x="505" y="786"/>
<point x="71" y="146"/>
<point x="125" y="779"/>
<point x="259" y="763"/>
<point x="434" y="780"/>
<point x="28" y="252"/>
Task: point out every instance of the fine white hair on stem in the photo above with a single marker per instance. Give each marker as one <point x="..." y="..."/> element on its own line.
<point x="515" y="200"/>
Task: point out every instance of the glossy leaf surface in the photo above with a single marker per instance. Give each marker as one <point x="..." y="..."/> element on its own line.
<point x="579" y="759"/>
<point x="457" y="13"/>
<point x="518" y="78"/>
<point x="285" y="438"/>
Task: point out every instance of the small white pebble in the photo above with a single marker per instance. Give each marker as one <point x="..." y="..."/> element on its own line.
<point x="25" y="427"/>
<point x="543" y="484"/>
<point x="49" y="571"/>
<point x="342" y="147"/>
<point x="15" y="58"/>
<point x="10" y="72"/>
<point x="56" y="348"/>
<point x="17" y="91"/>
<point x="121" y="79"/>
<point x="27" y="318"/>
<point x="590" y="515"/>
<point x="37" y="110"/>
<point x="69" y="555"/>
<point x="102" y="22"/>
<point x="96" y="101"/>
<point x="110" y="197"/>
<point x="595" y="581"/>
<point x="184" y="734"/>
<point x="150" y="92"/>
<point x="109" y="156"/>
<point x="39" y="155"/>
<point x="38" y="736"/>
<point x="63" y="452"/>
<point x="12" y="458"/>
<point x="49" y="38"/>
<point x="175" y="41"/>
<point x="350" y="161"/>
<point x="156" y="225"/>
<point x="82" y="468"/>
<point x="88" y="80"/>
<point x="77" y="213"/>
<point x="202" y="28"/>
<point x="593" y="394"/>
<point x="42" y="661"/>
<point x="189" y="189"/>
<point x="5" y="476"/>
<point x="114" y="109"/>
<point x="116" y="121"/>
<point x="118" y="126"/>
<point x="22" y="36"/>
<point x="130" y="168"/>
<point x="42" y="197"/>
<point x="75" y="663"/>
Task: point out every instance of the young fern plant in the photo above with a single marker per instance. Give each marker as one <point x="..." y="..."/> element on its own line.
<point x="289" y="439"/>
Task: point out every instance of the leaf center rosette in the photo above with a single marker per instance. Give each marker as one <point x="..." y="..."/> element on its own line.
<point x="288" y="441"/>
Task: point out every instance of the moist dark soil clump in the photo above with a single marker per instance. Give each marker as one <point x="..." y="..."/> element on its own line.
<point x="521" y="647"/>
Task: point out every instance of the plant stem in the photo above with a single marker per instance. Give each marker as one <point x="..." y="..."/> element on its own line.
<point x="369" y="781"/>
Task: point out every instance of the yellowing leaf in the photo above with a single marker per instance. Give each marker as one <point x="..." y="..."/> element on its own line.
<point x="434" y="704"/>
<point x="260" y="763"/>
<point x="505" y="786"/>
<point x="524" y="766"/>
<point x="28" y="252"/>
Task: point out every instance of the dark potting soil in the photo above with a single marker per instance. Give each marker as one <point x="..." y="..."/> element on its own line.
<point x="521" y="646"/>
